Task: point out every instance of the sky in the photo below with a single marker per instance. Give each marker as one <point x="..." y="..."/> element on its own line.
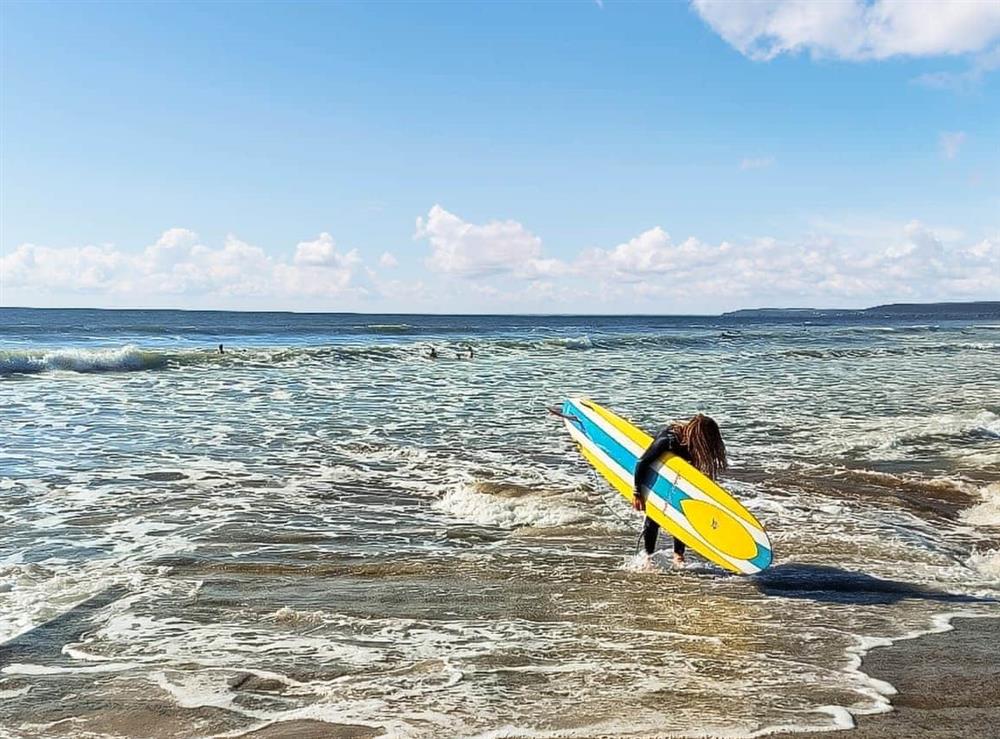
<point x="559" y="157"/>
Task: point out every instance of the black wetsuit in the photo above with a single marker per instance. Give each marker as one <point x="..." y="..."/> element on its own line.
<point x="665" y="441"/>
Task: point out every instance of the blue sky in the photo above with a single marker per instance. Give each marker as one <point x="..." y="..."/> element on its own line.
<point x="561" y="156"/>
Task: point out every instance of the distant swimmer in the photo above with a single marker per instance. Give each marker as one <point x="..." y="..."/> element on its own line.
<point x="433" y="353"/>
<point x="471" y="355"/>
<point x="468" y="355"/>
<point x="221" y="350"/>
<point x="699" y="441"/>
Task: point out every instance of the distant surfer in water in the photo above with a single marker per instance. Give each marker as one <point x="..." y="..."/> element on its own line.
<point x="699" y="441"/>
<point x="221" y="350"/>
<point x="433" y="353"/>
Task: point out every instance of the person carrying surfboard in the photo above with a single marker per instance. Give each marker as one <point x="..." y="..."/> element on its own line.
<point x="698" y="441"/>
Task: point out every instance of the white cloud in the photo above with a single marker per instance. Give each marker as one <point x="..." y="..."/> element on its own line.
<point x="471" y="250"/>
<point x="388" y="261"/>
<point x="177" y="264"/>
<point x="856" y="263"/>
<point x="650" y="253"/>
<point x="322" y="252"/>
<point x="853" y="29"/>
<point x="860" y="264"/>
<point x="756" y="162"/>
<point x="915" y="262"/>
<point x="951" y="142"/>
<point x="966" y="80"/>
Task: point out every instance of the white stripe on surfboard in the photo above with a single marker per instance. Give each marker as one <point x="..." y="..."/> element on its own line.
<point x="686" y="486"/>
<point x="654" y="498"/>
<point x="668" y="474"/>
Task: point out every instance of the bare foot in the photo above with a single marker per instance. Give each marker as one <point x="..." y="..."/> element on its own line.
<point x="678" y="559"/>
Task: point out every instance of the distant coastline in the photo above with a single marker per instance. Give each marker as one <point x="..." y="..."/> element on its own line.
<point x="988" y="309"/>
<point x="977" y="309"/>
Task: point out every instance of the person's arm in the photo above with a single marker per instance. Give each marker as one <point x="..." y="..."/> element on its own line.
<point x="663" y="443"/>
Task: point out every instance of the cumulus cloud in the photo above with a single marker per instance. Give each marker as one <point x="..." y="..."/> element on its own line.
<point x="914" y="262"/>
<point x="388" y="261"/>
<point x="853" y="29"/>
<point x="837" y="265"/>
<point x="500" y="265"/>
<point x="951" y="142"/>
<point x="651" y="253"/>
<point x="323" y="252"/>
<point x="178" y="264"/>
<point x="480" y="250"/>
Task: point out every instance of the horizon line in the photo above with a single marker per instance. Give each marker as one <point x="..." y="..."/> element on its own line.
<point x="526" y="315"/>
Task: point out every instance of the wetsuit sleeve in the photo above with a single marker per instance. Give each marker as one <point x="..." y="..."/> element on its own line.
<point x="665" y="441"/>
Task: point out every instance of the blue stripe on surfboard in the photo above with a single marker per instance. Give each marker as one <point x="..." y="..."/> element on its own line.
<point x="762" y="558"/>
<point x="627" y="461"/>
<point x="624" y="458"/>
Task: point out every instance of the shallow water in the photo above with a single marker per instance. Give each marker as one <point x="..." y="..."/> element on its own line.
<point x="322" y="523"/>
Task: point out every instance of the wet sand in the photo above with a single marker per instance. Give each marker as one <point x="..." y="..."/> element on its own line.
<point x="948" y="683"/>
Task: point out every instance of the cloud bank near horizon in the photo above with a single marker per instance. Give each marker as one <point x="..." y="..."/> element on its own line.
<point x="501" y="265"/>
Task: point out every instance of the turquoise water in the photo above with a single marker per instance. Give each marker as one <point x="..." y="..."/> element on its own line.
<point x="322" y="523"/>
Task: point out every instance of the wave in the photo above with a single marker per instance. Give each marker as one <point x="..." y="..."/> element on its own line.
<point x="885" y="351"/>
<point x="574" y="342"/>
<point x="898" y="437"/>
<point x="124" y="359"/>
<point x="388" y="328"/>
<point x="984" y="423"/>
<point x="511" y="507"/>
<point x="987" y="512"/>
<point x="130" y="358"/>
<point x="986" y="563"/>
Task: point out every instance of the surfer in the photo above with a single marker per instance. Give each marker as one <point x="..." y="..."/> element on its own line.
<point x="697" y="440"/>
<point x="221" y="350"/>
<point x="433" y="353"/>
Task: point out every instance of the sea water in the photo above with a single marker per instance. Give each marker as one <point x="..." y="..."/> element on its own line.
<point x="322" y="523"/>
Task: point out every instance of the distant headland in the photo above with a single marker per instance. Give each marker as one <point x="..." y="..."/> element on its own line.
<point x="978" y="309"/>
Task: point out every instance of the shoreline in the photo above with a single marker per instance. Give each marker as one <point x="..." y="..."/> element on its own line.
<point x="946" y="682"/>
<point x="943" y="683"/>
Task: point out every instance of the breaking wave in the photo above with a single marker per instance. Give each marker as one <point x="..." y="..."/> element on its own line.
<point x="124" y="359"/>
<point x="131" y="358"/>
<point x="511" y="507"/>
<point x="986" y="512"/>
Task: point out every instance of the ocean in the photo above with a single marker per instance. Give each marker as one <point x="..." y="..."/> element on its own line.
<point x="323" y="524"/>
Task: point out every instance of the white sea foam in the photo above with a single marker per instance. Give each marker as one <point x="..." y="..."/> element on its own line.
<point x="123" y="359"/>
<point x="288" y="615"/>
<point x="33" y="593"/>
<point x="575" y="342"/>
<point x="202" y="689"/>
<point x="986" y="563"/>
<point x="467" y="504"/>
<point x="19" y="668"/>
<point x="14" y="692"/>
<point x="891" y="437"/>
<point x="986" y="513"/>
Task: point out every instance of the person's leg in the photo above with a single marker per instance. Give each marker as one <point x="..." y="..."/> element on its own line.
<point x="679" y="549"/>
<point x="649" y="531"/>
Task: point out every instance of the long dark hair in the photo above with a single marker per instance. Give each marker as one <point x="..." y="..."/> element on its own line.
<point x="701" y="437"/>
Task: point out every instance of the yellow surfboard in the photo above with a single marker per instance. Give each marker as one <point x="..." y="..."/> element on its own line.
<point x="686" y="503"/>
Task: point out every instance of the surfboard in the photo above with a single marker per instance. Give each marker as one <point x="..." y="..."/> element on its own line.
<point x="686" y="503"/>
